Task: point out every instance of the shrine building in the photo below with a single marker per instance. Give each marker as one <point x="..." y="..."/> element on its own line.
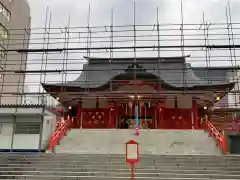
<point x="164" y="93"/>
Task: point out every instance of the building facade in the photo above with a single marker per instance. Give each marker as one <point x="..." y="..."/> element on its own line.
<point x="15" y="22"/>
<point x="172" y="96"/>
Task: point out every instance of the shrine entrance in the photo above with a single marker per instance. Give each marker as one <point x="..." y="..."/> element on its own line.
<point x="137" y="111"/>
<point x="148" y="114"/>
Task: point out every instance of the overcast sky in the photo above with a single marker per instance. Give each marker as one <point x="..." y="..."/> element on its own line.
<point x="100" y="14"/>
<point x="169" y="11"/>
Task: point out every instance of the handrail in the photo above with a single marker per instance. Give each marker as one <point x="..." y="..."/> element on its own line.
<point x="57" y="135"/>
<point x="219" y="137"/>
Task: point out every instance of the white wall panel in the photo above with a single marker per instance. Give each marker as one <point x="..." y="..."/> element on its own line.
<point x="6" y="132"/>
<point x="26" y="141"/>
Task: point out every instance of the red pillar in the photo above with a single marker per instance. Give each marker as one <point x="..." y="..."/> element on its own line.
<point x="195" y="114"/>
<point x="115" y="115"/>
<point x="111" y="115"/>
<point x="158" y="114"/>
<point x="79" y="115"/>
<point x="109" y="123"/>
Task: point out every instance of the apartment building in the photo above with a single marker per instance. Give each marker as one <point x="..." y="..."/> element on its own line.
<point x="15" y="21"/>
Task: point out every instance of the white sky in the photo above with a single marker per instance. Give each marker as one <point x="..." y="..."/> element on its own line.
<point x="169" y="12"/>
<point x="123" y="11"/>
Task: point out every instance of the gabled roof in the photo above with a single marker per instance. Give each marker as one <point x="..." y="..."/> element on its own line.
<point x="170" y="72"/>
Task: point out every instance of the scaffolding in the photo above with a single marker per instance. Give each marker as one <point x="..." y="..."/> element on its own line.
<point x="56" y="55"/>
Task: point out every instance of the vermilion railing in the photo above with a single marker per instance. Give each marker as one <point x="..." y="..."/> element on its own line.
<point x="57" y="135"/>
<point x="218" y="136"/>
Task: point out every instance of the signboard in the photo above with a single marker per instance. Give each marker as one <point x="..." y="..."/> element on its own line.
<point x="132" y="151"/>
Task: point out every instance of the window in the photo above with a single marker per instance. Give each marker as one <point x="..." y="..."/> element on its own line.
<point x="5" y="12"/>
<point x="27" y="128"/>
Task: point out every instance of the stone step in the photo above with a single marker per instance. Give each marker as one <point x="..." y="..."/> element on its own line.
<point x="66" y="155"/>
<point x="55" y="177"/>
<point x="126" y="170"/>
<point x="217" y="163"/>
<point x="120" y="160"/>
<point x="121" y="156"/>
<point x="106" y="161"/>
<point x="116" y="164"/>
<point x="23" y="166"/>
<point x="122" y="174"/>
<point x="151" y="142"/>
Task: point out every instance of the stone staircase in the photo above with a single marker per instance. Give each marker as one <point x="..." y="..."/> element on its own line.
<point x="108" y="167"/>
<point x="112" y="141"/>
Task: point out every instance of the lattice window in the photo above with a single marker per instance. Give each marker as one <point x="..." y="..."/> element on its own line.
<point x="27" y="128"/>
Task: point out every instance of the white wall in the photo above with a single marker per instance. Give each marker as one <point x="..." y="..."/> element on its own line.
<point x="6" y="132"/>
<point x="169" y="102"/>
<point x="17" y="141"/>
<point x="8" y="140"/>
<point x="49" y="125"/>
<point x="185" y="101"/>
<point x="103" y="103"/>
<point x="182" y="101"/>
<point x="89" y="103"/>
<point x="26" y="141"/>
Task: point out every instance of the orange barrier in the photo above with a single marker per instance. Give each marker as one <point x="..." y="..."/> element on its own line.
<point x="219" y="137"/>
<point x="57" y="135"/>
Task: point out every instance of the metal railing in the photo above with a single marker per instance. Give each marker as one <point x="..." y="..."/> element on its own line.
<point x="217" y="135"/>
<point x="58" y="134"/>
